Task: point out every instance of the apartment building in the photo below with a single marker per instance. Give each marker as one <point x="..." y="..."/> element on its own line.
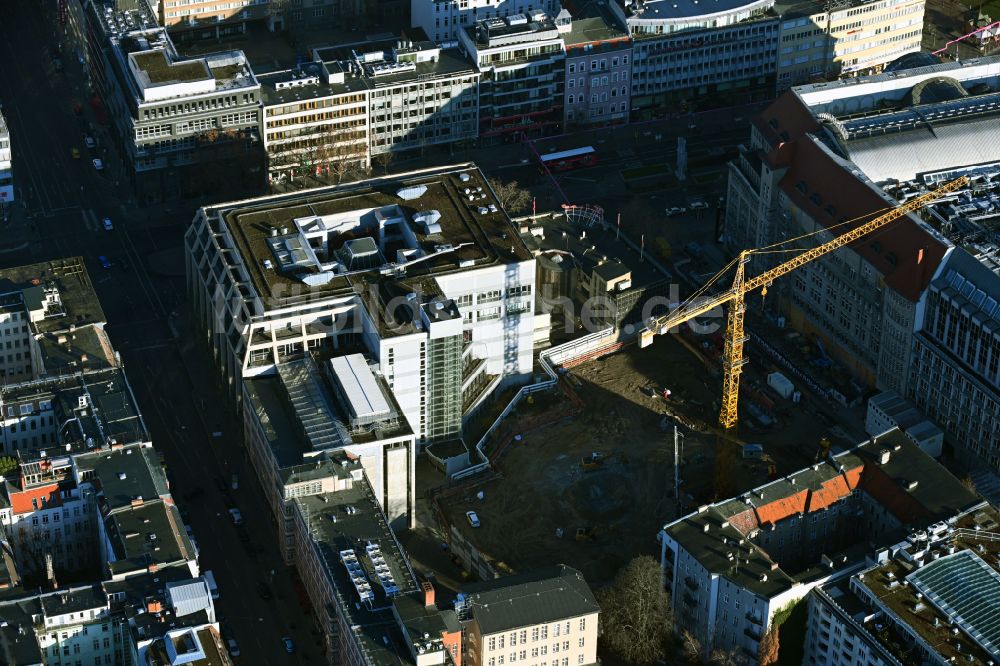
<point x="533" y="617"/>
<point x="153" y="619"/>
<point x="923" y="601"/>
<point x="351" y="563"/>
<point x="444" y="20"/>
<point x="522" y="62"/>
<point x="49" y="521"/>
<point x="50" y="321"/>
<point x="185" y="126"/>
<point x="598" y="65"/>
<point x="731" y="566"/>
<point x="684" y="55"/>
<point x="827" y="41"/>
<point x="423" y="273"/>
<point x="6" y="170"/>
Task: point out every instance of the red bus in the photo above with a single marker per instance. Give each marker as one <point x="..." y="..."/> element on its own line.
<point x="567" y="160"/>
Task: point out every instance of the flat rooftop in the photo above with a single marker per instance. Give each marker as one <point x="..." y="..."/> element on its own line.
<point x="337" y="532"/>
<point x="476" y="238"/>
<point x="87" y="348"/>
<point x="545" y="239"/>
<point x="126" y="474"/>
<point x="80" y="304"/>
<point x="515" y="29"/>
<point x="959" y="582"/>
<point x="149" y="534"/>
<point x="593" y="22"/>
<point x="668" y="10"/>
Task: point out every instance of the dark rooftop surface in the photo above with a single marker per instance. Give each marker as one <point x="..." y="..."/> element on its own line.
<point x="75" y="600"/>
<point x="133" y="472"/>
<point x="593" y="22"/>
<point x="554" y="237"/>
<point x="79" y="300"/>
<point x="87" y="348"/>
<point x="17" y="647"/>
<point x="336" y="530"/>
<point x="485" y="239"/>
<point x="545" y="595"/>
<point x="149" y="534"/>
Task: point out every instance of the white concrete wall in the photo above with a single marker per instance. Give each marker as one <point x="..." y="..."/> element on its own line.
<point x="400" y="361"/>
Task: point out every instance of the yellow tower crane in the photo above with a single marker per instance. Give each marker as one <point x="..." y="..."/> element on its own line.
<point x="733" y="358"/>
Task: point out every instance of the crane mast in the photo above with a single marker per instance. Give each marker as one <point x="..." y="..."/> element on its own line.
<point x="734" y="359"/>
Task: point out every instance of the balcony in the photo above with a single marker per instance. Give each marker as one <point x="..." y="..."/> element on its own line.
<point x="753" y="633"/>
<point x="753" y="618"/>
<point x="689" y="600"/>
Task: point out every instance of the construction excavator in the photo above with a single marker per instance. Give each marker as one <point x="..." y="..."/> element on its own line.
<point x="700" y="304"/>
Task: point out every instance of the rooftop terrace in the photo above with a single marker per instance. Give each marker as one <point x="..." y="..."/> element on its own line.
<point x="468" y="233"/>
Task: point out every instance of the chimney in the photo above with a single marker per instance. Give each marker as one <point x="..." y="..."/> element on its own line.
<point x="154" y="606"/>
<point x="428" y="590"/>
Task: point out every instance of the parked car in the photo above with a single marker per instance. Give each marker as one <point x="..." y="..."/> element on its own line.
<point x="75" y="153"/>
<point x="472" y="518"/>
<point x="105" y="262"/>
<point x="89" y="142"/>
<point x="234" y="649"/>
<point x="263" y="591"/>
<point x="235" y="481"/>
<point x="289" y="645"/>
<point x="98" y="164"/>
<point x="107" y="224"/>
<point x="675" y="210"/>
<point x="236" y="516"/>
<point x="58" y="64"/>
<point x="698" y="204"/>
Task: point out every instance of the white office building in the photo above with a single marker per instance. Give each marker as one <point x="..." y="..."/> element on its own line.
<point x="442" y="20"/>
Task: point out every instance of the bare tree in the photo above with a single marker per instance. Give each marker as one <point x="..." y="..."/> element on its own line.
<point x="690" y="647"/>
<point x="383" y="160"/>
<point x="769" y="647"/>
<point x="512" y="197"/>
<point x="635" y="612"/>
<point x="721" y="657"/>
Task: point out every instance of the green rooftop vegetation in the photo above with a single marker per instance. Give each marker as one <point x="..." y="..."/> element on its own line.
<point x="160" y="70"/>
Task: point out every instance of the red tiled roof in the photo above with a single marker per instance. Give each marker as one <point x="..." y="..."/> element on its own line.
<point x="786" y="115"/>
<point x="783" y="508"/>
<point x="20" y="502"/>
<point x="744" y="521"/>
<point x="832" y="490"/>
<point x="916" y="252"/>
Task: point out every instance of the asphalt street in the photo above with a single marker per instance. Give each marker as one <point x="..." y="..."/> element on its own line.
<point x="62" y="201"/>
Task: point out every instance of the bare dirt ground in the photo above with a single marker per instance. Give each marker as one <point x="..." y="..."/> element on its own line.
<point x="543" y="492"/>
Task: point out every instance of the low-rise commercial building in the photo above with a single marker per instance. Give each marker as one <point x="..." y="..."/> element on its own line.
<point x="888" y="410"/>
<point x="522" y="64"/>
<point x="731" y="566"/>
<point x="531" y="617"/>
<point x="184" y="126"/>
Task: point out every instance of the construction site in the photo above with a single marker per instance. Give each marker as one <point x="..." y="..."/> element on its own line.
<point x="632" y="436"/>
<point x="592" y="488"/>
